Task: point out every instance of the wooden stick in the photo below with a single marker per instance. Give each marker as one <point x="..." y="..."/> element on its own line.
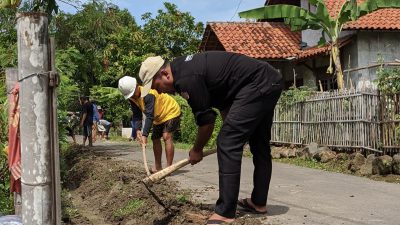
<point x="174" y="167"/>
<point x="145" y="160"/>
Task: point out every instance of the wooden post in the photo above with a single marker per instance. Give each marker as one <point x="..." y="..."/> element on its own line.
<point x="36" y="181"/>
<point x="55" y="152"/>
<point x="11" y="80"/>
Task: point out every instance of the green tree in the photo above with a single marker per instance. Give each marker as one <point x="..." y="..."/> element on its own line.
<point x="302" y="19"/>
<point x="104" y="35"/>
<point x="171" y="33"/>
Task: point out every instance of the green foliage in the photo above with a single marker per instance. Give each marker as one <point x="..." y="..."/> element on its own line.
<point x="114" y="105"/>
<point x="294" y="95"/>
<point x="171" y="33"/>
<point x="188" y="132"/>
<point x="388" y="80"/>
<point x="6" y="200"/>
<point x="182" y="198"/>
<point x="130" y="207"/>
<point x="301" y="19"/>
<point x="9" y="3"/>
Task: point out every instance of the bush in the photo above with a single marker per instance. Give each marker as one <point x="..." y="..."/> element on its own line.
<point x="6" y="200"/>
<point x="388" y="80"/>
<point x="188" y="129"/>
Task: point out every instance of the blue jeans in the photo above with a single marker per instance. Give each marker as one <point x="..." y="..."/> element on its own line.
<point x="134" y="129"/>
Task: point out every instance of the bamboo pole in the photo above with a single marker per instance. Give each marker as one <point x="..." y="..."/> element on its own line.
<point x="174" y="167"/>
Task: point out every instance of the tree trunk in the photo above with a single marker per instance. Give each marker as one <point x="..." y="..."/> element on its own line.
<point x="338" y="66"/>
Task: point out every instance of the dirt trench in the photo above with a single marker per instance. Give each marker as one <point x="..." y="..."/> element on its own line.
<point x="105" y="190"/>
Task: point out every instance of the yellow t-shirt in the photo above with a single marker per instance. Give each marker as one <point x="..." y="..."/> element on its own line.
<point x="165" y="107"/>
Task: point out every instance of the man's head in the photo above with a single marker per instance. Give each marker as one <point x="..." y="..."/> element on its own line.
<point x="128" y="87"/>
<point x="156" y="73"/>
<point x="83" y="99"/>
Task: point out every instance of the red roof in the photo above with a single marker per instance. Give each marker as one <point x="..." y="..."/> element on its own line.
<point x="258" y="40"/>
<point x="382" y="19"/>
<point x="261" y="40"/>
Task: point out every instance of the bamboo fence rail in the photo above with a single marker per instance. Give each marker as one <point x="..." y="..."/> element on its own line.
<point x="348" y="120"/>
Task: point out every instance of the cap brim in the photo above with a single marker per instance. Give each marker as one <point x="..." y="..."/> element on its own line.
<point x="130" y="95"/>
<point x="146" y="88"/>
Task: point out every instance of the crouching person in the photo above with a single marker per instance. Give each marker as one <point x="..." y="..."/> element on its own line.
<point x="162" y="113"/>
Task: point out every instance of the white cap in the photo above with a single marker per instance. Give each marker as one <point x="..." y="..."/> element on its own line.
<point x="127" y="86"/>
<point x="149" y="68"/>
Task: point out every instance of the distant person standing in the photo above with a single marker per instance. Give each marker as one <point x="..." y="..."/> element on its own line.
<point x="71" y="123"/>
<point x="86" y="120"/>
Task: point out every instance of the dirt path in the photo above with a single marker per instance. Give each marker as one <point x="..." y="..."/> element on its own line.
<point x="297" y="195"/>
<point x="93" y="216"/>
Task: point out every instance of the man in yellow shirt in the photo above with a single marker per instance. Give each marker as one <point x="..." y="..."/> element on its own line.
<point x="161" y="111"/>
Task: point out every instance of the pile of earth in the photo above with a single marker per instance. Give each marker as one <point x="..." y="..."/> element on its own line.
<point x="103" y="190"/>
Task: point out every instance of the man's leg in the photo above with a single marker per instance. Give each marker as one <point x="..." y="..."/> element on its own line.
<point x="157" y="148"/>
<point x="260" y="148"/>
<point x="242" y="119"/>
<point x="85" y="134"/>
<point x="89" y="128"/>
<point x="169" y="147"/>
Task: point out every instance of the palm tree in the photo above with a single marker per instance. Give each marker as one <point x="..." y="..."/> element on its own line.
<point x="301" y="19"/>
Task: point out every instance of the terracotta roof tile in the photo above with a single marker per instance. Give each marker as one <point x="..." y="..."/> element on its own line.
<point x="261" y="40"/>
<point x="383" y="19"/>
<point x="258" y="40"/>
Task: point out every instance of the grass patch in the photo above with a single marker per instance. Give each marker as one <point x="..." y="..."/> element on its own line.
<point x="130" y="207"/>
<point x="182" y="198"/>
<point x="333" y="166"/>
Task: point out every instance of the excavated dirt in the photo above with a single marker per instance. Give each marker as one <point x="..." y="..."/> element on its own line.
<point x="105" y="190"/>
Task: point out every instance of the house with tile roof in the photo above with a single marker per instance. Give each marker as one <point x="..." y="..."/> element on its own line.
<point x="296" y="54"/>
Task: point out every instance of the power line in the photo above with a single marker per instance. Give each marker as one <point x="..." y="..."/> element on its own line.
<point x="237" y="8"/>
<point x="70" y="4"/>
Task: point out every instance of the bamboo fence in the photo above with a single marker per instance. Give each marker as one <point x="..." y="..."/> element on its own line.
<point x="347" y="120"/>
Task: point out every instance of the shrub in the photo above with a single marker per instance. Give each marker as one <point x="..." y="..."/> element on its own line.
<point x="188" y="129"/>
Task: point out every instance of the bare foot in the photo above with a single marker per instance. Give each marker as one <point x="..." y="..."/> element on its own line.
<point x="217" y="217"/>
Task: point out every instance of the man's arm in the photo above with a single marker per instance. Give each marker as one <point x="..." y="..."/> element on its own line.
<point x="83" y="119"/>
<point x="149" y="102"/>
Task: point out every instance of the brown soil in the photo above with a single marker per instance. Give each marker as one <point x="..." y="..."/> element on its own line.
<point x="103" y="190"/>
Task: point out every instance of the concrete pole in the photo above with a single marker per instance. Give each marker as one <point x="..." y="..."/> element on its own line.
<point x="32" y="29"/>
<point x="11" y="80"/>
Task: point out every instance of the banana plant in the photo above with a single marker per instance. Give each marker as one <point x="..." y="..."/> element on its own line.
<point x="9" y="3"/>
<point x="319" y="19"/>
<point x="47" y="6"/>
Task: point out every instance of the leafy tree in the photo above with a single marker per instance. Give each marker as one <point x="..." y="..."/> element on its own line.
<point x="104" y="35"/>
<point x="172" y="32"/>
<point x="67" y="62"/>
<point x="302" y="19"/>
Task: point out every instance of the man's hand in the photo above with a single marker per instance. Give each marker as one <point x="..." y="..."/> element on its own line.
<point x="139" y="136"/>
<point x="144" y="140"/>
<point x="195" y="155"/>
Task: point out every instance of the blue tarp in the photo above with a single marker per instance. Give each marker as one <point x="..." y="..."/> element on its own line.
<point x="10" y="220"/>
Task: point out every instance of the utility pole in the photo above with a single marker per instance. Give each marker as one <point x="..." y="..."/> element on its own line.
<point x="33" y="74"/>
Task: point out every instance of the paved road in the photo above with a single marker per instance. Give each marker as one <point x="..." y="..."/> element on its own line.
<point x="297" y="195"/>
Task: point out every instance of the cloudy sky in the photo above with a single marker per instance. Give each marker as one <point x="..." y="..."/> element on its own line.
<point x="202" y="10"/>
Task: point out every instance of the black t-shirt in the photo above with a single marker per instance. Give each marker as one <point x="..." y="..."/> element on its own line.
<point x="88" y="109"/>
<point x="212" y="79"/>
